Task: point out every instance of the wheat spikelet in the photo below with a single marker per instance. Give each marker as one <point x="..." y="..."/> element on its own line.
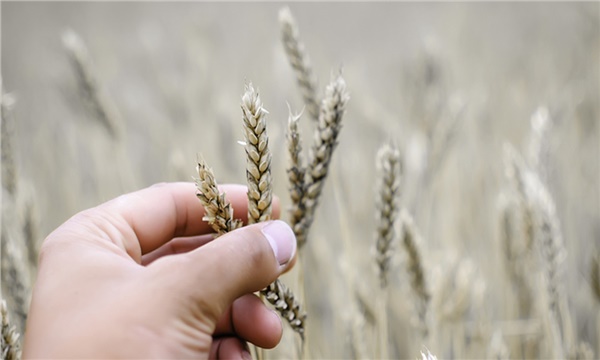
<point x="10" y="349"/>
<point x="104" y="111"/>
<point x="258" y="157"/>
<point x="410" y="238"/>
<point x="388" y="188"/>
<point x="9" y="173"/>
<point x="325" y="141"/>
<point x="299" y="61"/>
<point x="284" y="301"/>
<point x="219" y="212"/>
<point x="295" y="171"/>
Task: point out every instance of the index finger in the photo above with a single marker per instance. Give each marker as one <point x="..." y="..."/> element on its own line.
<point x="165" y="211"/>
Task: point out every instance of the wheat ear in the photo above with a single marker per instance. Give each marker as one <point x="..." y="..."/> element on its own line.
<point x="410" y="240"/>
<point x="387" y="198"/>
<point x="9" y="173"/>
<point x="258" y="157"/>
<point x="10" y="348"/>
<point x="218" y="211"/>
<point x="258" y="176"/>
<point x="299" y="61"/>
<point x="295" y="172"/>
<point x="89" y="85"/>
<point x="284" y="301"/>
<point x="324" y="143"/>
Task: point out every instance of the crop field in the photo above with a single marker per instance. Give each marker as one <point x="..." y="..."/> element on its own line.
<point x="460" y="211"/>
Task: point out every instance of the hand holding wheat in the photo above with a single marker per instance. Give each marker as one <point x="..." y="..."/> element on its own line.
<point x="140" y="276"/>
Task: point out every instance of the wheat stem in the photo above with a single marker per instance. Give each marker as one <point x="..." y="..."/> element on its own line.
<point x="9" y="173"/>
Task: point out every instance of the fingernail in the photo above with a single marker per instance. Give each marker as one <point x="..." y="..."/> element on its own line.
<point x="282" y="240"/>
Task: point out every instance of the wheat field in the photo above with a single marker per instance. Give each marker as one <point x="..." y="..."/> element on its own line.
<point x="493" y="110"/>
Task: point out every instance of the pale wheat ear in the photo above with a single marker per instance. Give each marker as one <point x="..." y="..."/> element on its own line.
<point x="299" y="61"/>
<point x="260" y="195"/>
<point x="89" y="85"/>
<point x="218" y="211"/>
<point x="332" y="111"/>
<point x="9" y="171"/>
<point x="10" y="349"/>
<point x="386" y="207"/>
<point x="258" y="157"/>
<point x="410" y="239"/>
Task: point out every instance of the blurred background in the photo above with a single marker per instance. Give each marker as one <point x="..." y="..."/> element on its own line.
<point x="173" y="74"/>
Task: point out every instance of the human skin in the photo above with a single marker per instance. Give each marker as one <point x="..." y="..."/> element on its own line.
<point x="141" y="277"/>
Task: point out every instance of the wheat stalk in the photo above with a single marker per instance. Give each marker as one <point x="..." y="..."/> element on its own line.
<point x="258" y="176"/>
<point x="10" y="349"/>
<point x="258" y="157"/>
<point x="410" y="239"/>
<point x="324" y="143"/>
<point x="388" y="191"/>
<point x="105" y="112"/>
<point x="299" y="61"/>
<point x="218" y="211"/>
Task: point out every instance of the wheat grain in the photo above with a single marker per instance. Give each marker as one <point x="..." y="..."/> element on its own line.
<point x="218" y="211"/>
<point x="10" y="348"/>
<point x="387" y="199"/>
<point x="104" y="110"/>
<point x="299" y="61"/>
<point x="324" y="143"/>
<point x="410" y="239"/>
<point x="258" y="157"/>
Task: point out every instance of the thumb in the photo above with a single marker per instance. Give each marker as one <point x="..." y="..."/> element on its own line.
<point x="237" y="263"/>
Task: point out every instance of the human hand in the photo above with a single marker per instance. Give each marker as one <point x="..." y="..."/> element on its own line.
<point x="141" y="277"/>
